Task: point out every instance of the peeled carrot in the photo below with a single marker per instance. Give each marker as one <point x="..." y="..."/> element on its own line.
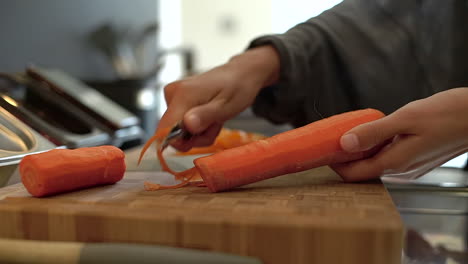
<point x="314" y="145"/>
<point x="63" y="170"/>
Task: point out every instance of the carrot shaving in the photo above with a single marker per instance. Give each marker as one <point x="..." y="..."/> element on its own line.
<point x="186" y="176"/>
<point x="227" y="139"/>
<point x="158" y="136"/>
<point x="192" y="172"/>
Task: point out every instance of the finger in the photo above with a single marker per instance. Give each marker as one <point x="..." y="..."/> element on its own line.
<point x="344" y="168"/>
<point x="170" y="90"/>
<point x="199" y="118"/>
<point x="177" y="106"/>
<point x="369" y="135"/>
<point x="397" y="156"/>
<point x="208" y="137"/>
<point x="205" y="139"/>
<point x="172" y="115"/>
<point x="182" y="145"/>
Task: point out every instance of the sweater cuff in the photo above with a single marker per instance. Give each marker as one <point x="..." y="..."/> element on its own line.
<point x="279" y="102"/>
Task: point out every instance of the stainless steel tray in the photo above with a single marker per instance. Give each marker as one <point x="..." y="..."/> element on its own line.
<point x="103" y="113"/>
<point x="18" y="140"/>
<point x="51" y="115"/>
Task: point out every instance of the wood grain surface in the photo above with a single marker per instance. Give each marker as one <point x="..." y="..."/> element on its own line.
<point x="308" y="217"/>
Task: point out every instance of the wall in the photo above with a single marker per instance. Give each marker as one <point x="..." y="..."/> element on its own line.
<point x="220" y="29"/>
<point x="53" y="32"/>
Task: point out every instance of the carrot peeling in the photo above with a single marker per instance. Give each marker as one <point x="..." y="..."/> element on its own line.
<point x="314" y="145"/>
<point x="186" y="177"/>
<point x="158" y="137"/>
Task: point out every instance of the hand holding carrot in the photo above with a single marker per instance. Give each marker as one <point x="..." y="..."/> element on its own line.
<point x="423" y="135"/>
<point x="204" y="102"/>
<point x="316" y="144"/>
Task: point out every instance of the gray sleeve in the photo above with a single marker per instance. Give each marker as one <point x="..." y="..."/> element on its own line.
<point x="355" y="55"/>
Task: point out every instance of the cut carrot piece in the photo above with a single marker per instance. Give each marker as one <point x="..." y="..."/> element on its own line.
<point x="307" y="147"/>
<point x="63" y="170"/>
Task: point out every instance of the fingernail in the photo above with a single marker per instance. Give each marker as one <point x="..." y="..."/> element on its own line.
<point x="194" y="122"/>
<point x="350" y="143"/>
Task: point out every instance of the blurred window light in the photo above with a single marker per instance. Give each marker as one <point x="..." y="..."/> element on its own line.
<point x="286" y="14"/>
<point x="146" y="99"/>
<point x="170" y="36"/>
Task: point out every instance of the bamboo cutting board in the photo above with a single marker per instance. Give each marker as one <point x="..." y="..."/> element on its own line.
<point x="309" y="217"/>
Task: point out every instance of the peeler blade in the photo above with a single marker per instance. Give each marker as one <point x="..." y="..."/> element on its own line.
<point x="177" y="133"/>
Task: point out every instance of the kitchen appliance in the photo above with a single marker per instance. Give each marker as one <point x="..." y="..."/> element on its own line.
<point x="66" y="111"/>
<point x="141" y="93"/>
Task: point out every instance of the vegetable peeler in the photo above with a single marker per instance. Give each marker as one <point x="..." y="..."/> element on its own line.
<point x="177" y="133"/>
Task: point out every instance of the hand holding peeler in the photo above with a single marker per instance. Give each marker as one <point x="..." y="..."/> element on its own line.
<point x="177" y="133"/>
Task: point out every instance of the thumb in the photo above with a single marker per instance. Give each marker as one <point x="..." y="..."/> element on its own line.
<point x="366" y="136"/>
<point x="200" y="118"/>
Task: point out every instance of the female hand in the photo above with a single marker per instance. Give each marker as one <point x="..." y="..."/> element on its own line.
<point x="416" y="138"/>
<point x="204" y="102"/>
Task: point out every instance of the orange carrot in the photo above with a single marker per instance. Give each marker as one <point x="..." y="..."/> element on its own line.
<point x="63" y="170"/>
<point x="314" y="145"/>
<point x="227" y="138"/>
<point x="307" y="147"/>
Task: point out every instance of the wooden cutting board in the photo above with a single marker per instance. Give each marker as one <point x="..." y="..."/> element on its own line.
<point x="309" y="217"/>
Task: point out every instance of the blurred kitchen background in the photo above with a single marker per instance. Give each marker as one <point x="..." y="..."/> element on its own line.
<point x="128" y="51"/>
<point x="91" y="72"/>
